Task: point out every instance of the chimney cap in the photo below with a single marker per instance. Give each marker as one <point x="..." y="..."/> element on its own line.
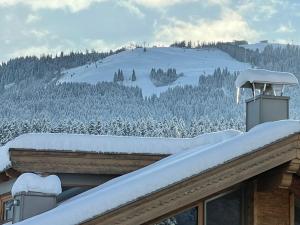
<point x="247" y="78"/>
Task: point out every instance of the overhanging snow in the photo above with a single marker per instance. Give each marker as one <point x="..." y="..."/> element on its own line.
<point x="262" y="76"/>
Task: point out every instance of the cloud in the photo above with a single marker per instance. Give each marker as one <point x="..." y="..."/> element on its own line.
<point x="98" y="45"/>
<point x="286" y="28"/>
<point x="72" y="5"/>
<point x="158" y="3"/>
<point x="131" y="7"/>
<point x="35" y="51"/>
<point x="39" y="33"/>
<point x="167" y="3"/>
<point x="231" y="26"/>
<point x="31" y="18"/>
<point x="259" y="10"/>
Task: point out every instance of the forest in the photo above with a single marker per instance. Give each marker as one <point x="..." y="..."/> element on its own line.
<point x="32" y="101"/>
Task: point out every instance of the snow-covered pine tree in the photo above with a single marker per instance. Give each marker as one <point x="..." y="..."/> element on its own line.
<point x="133" y="76"/>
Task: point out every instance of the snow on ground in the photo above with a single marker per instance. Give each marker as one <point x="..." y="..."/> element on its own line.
<point x="29" y="182"/>
<point x="191" y="62"/>
<point x="165" y="172"/>
<point x="265" y="76"/>
<point x="111" y="144"/>
<point x="261" y="46"/>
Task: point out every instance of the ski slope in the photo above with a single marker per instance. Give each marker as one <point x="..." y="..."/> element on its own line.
<point x="191" y="62"/>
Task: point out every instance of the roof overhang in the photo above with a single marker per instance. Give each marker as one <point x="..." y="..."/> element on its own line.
<point x="54" y="161"/>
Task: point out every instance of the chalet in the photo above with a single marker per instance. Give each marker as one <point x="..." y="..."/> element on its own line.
<point x="222" y="178"/>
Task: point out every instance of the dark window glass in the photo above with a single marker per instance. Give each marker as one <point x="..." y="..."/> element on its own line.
<point x="225" y="210"/>
<point x="297" y="211"/>
<point x="188" y="217"/>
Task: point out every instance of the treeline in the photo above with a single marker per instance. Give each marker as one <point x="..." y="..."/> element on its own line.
<point x="148" y="127"/>
<point x="214" y="97"/>
<point x="161" y="78"/>
<point x="47" y="66"/>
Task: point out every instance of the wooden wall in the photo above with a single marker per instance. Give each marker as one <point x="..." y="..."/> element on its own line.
<point x="272" y="207"/>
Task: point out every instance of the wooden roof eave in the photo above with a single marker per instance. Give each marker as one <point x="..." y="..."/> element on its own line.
<point x="200" y="186"/>
<point x="53" y="161"/>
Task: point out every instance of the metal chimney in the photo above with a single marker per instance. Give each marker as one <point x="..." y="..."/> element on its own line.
<point x="267" y="103"/>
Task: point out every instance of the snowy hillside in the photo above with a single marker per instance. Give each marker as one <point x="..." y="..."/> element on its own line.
<point x="191" y="62"/>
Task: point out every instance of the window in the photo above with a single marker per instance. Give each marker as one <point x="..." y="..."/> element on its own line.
<point x="6" y="209"/>
<point x="225" y="209"/>
<point x="188" y="217"/>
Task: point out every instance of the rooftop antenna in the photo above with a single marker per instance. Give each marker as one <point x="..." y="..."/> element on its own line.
<point x="267" y="102"/>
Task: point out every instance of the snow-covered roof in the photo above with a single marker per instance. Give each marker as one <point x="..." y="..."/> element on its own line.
<point x="109" y="144"/>
<point x="4" y="158"/>
<point x="161" y="174"/>
<point x="29" y="182"/>
<point x="264" y="77"/>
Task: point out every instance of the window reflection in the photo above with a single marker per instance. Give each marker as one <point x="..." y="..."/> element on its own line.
<point x="225" y="210"/>
<point x="188" y="217"/>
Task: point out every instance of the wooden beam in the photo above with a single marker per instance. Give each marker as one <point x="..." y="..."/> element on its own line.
<point x="274" y="179"/>
<point x="201" y="185"/>
<point x="295" y="187"/>
<point x="12" y="173"/>
<point x="3" y="177"/>
<point x="24" y="160"/>
<point x="280" y="177"/>
<point x="200" y="212"/>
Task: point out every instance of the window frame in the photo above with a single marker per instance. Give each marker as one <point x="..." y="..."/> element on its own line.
<point x="3" y="199"/>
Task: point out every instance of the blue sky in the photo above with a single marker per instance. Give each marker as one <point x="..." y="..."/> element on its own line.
<point x="35" y="27"/>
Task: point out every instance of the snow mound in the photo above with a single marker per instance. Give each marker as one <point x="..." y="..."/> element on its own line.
<point x="265" y="77"/>
<point x="191" y="62"/>
<point x="29" y="182"/>
<point x="161" y="174"/>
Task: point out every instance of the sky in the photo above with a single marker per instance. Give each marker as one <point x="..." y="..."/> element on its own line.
<point x="35" y="27"/>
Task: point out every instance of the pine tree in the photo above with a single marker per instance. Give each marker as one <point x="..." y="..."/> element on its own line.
<point x="115" y="80"/>
<point x="133" y="76"/>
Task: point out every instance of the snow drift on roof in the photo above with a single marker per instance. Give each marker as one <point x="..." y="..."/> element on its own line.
<point x="29" y="182"/>
<point x="109" y="144"/>
<point x="165" y="172"/>
<point x="4" y="158"/>
<point x="265" y="76"/>
<point x="117" y="144"/>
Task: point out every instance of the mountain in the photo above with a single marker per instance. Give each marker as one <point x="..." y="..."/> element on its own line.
<point x="191" y="63"/>
<point x="33" y="101"/>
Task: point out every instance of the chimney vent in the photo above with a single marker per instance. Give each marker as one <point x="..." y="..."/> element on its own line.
<point x="33" y="195"/>
<point x="267" y="103"/>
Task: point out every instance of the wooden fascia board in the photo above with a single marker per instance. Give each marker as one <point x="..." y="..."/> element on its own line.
<point x="3" y="177"/>
<point x="29" y="160"/>
<point x="200" y="186"/>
